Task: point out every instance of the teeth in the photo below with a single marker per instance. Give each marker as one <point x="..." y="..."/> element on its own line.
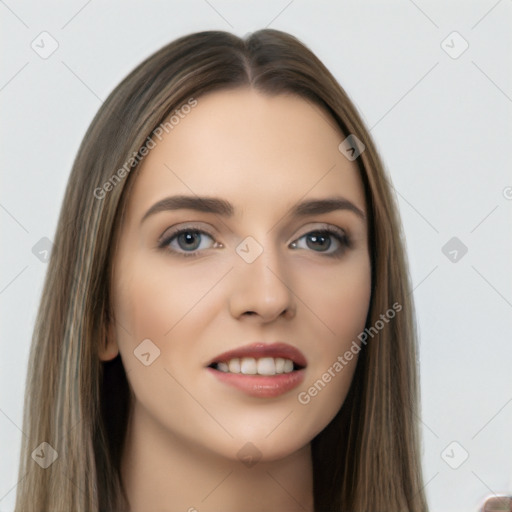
<point x="267" y="366"/>
<point x="223" y="367"/>
<point x="253" y="366"/>
<point x="234" y="365"/>
<point x="288" y="366"/>
<point x="248" y="366"/>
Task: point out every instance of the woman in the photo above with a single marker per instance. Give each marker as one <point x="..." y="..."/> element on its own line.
<point x="226" y="322"/>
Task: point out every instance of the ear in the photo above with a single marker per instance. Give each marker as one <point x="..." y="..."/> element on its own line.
<point x="108" y="348"/>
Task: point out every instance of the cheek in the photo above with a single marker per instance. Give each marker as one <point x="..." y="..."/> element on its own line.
<point x="349" y="301"/>
<point x="167" y="304"/>
<point x="142" y="312"/>
<point x="341" y="308"/>
<point x="152" y="298"/>
<point x="338" y="300"/>
<point x="158" y="303"/>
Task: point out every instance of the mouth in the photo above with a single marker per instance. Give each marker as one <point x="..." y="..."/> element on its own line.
<point x="260" y="370"/>
<point x="251" y="366"/>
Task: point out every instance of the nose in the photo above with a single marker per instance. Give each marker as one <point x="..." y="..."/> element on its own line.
<point x="262" y="288"/>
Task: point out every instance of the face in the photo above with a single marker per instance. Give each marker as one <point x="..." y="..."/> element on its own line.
<point x="253" y="286"/>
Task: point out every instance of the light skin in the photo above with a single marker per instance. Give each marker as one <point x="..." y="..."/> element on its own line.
<point x="264" y="154"/>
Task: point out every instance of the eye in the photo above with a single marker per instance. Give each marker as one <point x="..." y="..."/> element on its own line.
<point x="320" y="240"/>
<point x="186" y="241"/>
<point x="189" y="241"/>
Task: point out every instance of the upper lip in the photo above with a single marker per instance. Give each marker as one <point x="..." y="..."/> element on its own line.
<point x="260" y="349"/>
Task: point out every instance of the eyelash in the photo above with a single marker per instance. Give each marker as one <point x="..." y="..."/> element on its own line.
<point x="338" y="234"/>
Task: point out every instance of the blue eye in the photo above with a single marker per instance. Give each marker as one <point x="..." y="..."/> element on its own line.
<point x="322" y="239"/>
<point x="189" y="241"/>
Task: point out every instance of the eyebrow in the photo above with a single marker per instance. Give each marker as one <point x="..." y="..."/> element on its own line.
<point x="222" y="207"/>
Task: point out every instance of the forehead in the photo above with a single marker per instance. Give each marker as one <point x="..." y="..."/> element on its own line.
<point x="251" y="148"/>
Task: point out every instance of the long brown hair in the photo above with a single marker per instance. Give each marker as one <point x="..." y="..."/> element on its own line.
<point x="368" y="457"/>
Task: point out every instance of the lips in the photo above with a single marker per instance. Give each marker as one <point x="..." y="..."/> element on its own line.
<point x="259" y="350"/>
<point x="260" y="370"/>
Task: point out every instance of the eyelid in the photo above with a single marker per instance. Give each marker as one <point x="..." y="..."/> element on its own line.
<point x="324" y="226"/>
<point x="342" y="237"/>
<point x="192" y="226"/>
<point x="197" y="226"/>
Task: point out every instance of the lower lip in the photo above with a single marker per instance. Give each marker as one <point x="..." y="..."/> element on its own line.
<point x="261" y="386"/>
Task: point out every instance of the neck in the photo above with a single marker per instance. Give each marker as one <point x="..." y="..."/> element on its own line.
<point x="164" y="473"/>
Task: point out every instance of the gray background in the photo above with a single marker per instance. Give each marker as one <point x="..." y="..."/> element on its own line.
<point x="442" y="125"/>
